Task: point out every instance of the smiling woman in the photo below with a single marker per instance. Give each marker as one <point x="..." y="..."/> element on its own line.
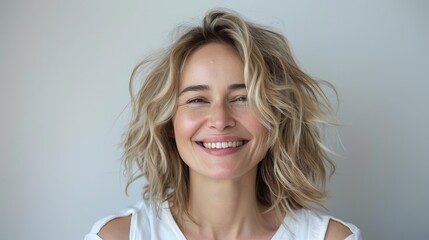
<point x="217" y="134"/>
<point x="225" y="129"/>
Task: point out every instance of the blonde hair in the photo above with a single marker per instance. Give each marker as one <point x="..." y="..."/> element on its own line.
<point x="290" y="104"/>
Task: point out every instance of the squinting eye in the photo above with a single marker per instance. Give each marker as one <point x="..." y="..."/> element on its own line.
<point x="241" y="99"/>
<point x="194" y="100"/>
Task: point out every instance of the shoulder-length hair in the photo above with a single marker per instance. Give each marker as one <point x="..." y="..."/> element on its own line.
<point x="290" y="104"/>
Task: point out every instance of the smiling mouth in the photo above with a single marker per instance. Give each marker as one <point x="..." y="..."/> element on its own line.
<point x="222" y="145"/>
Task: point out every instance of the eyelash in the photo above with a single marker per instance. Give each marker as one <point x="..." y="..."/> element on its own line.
<point x="195" y="100"/>
<point x="240" y="99"/>
<point x="200" y="100"/>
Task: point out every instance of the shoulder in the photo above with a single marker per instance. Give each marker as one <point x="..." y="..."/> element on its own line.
<point x="337" y="230"/>
<point x="116" y="229"/>
<point x="121" y="225"/>
<point x="323" y="226"/>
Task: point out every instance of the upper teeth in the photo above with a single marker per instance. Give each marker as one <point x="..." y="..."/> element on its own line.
<point x="222" y="144"/>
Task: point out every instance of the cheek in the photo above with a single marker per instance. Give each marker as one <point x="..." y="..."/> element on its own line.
<point x="259" y="131"/>
<point x="185" y="125"/>
<point x="255" y="126"/>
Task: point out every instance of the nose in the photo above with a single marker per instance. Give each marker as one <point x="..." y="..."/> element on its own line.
<point x="220" y="117"/>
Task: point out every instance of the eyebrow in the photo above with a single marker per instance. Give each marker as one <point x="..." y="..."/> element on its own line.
<point x="236" y="86"/>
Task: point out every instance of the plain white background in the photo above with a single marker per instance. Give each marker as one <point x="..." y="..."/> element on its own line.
<point x="64" y="69"/>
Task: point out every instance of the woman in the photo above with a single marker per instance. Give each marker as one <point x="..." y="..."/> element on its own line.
<point x="225" y="129"/>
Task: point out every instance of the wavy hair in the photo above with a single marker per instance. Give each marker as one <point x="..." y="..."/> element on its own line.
<point x="290" y="104"/>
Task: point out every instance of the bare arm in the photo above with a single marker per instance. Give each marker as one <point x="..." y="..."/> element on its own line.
<point x="116" y="229"/>
<point x="337" y="231"/>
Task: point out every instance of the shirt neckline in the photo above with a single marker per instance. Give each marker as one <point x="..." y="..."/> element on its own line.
<point x="281" y="232"/>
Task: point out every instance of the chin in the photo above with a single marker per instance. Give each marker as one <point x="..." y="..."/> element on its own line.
<point x="224" y="174"/>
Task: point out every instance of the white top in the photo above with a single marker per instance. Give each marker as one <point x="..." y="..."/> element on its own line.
<point x="145" y="224"/>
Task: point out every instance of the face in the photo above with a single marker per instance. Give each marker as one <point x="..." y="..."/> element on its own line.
<point x="217" y="134"/>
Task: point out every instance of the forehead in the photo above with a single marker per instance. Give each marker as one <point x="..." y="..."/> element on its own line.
<point x="211" y="63"/>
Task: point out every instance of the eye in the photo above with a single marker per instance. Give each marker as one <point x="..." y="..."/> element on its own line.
<point x="240" y="99"/>
<point x="195" y="101"/>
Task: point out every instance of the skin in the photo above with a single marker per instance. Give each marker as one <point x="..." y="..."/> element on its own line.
<point x="213" y="108"/>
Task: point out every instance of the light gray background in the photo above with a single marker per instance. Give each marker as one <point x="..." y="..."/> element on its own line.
<point x="64" y="69"/>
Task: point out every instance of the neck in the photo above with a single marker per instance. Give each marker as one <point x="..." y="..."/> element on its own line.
<point x="226" y="209"/>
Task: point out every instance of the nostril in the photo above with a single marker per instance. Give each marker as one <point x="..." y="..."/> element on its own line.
<point x="221" y="118"/>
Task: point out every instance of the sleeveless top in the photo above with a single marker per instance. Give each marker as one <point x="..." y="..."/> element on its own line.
<point x="146" y="224"/>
